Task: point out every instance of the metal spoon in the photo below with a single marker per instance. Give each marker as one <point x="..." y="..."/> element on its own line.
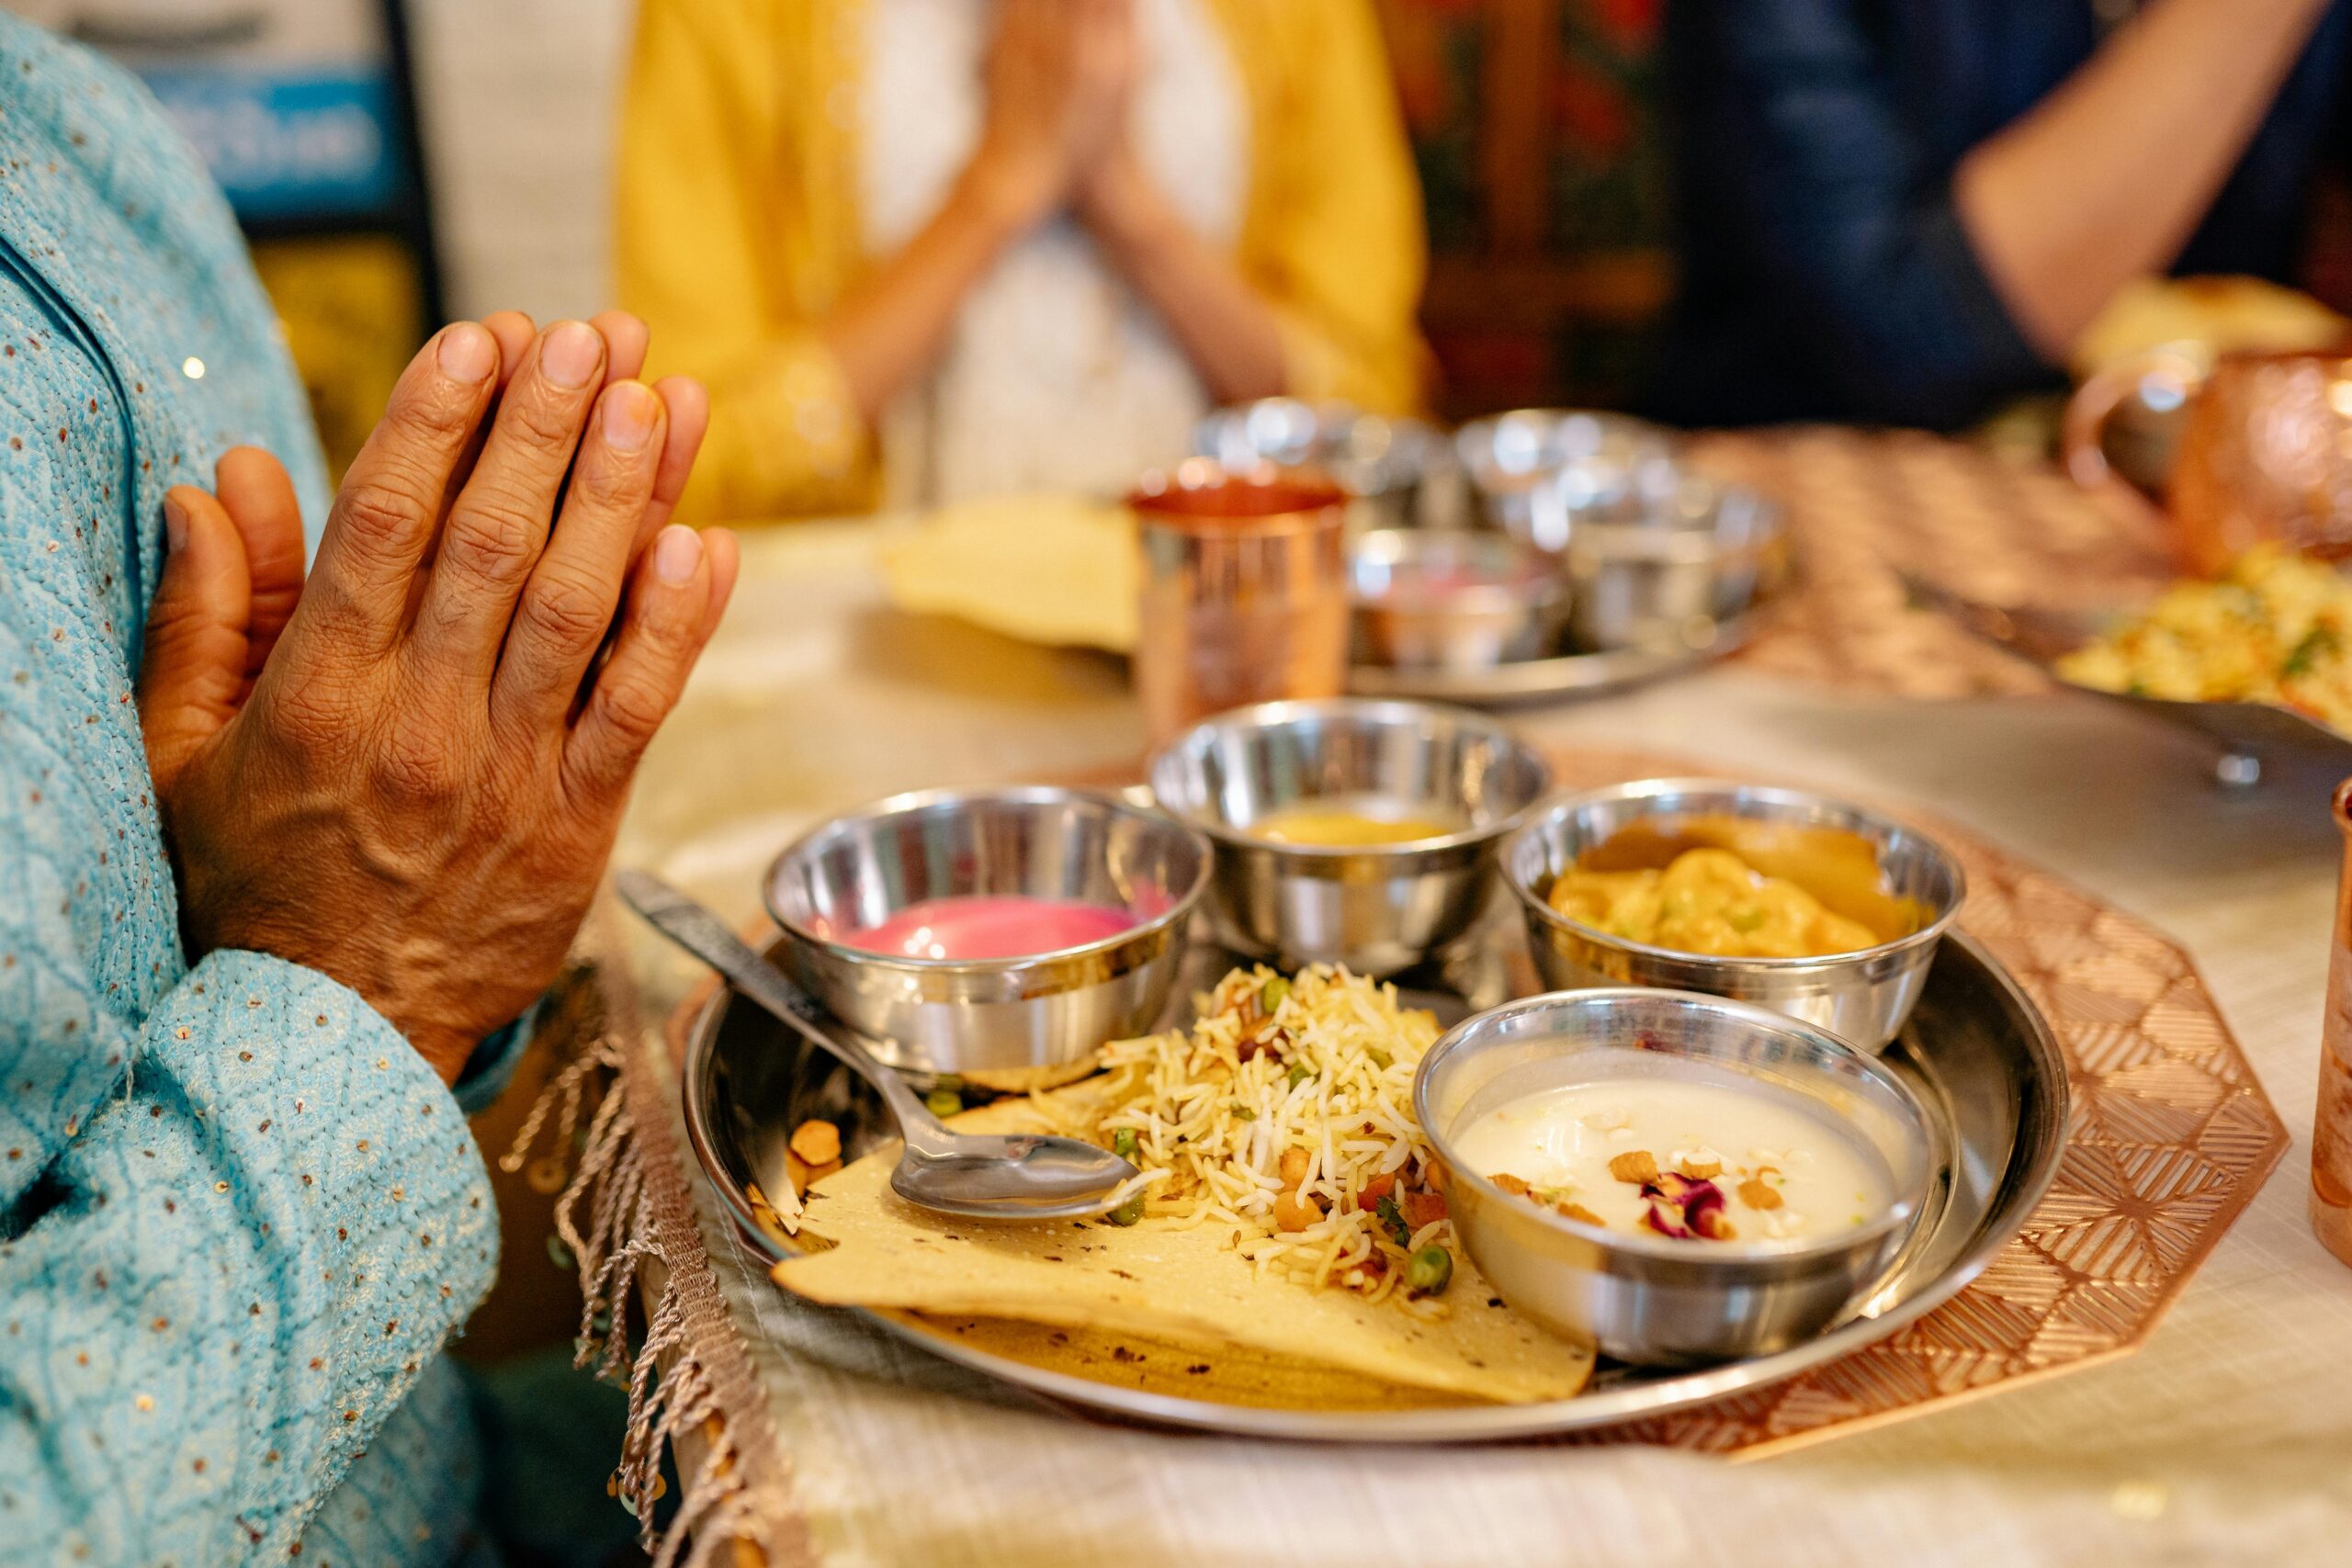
<point x="1024" y="1177"/>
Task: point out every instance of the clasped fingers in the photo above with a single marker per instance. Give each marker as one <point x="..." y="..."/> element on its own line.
<point x="676" y="596"/>
<point x="500" y="522"/>
<point x="568" y="604"/>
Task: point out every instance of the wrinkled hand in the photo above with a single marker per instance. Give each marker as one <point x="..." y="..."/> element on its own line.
<point x="410" y="780"/>
<point x="1059" y="74"/>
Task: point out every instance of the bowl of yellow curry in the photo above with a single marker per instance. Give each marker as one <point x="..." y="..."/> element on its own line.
<point x="1823" y="910"/>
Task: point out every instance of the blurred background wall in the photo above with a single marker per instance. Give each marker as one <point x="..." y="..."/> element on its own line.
<point x="1534" y="123"/>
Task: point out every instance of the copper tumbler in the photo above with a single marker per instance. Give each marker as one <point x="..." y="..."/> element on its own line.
<point x="2332" y="1133"/>
<point x="1245" y="589"/>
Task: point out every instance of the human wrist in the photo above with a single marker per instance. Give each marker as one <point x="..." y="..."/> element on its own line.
<point x="1004" y="194"/>
<point x="1122" y="206"/>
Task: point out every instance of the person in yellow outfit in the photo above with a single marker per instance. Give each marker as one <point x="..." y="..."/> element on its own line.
<point x="923" y="250"/>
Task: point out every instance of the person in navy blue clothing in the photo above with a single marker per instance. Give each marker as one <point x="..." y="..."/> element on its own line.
<point x="1902" y="211"/>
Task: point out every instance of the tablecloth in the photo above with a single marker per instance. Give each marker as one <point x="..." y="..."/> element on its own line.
<point x="2227" y="1438"/>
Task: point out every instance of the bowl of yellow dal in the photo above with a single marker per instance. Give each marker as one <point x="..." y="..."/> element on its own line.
<point x="1348" y="832"/>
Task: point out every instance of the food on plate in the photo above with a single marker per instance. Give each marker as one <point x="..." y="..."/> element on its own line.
<point x="1735" y="887"/>
<point x="816" y="1142"/>
<point x="988" y="926"/>
<point x="1290" y="1206"/>
<point x="1709" y="901"/>
<point x="1356" y="822"/>
<point x="2275" y="627"/>
<point x="1682" y="1157"/>
<point x="1283" y="1120"/>
<point x="1217" y="1374"/>
<point x="2205" y="316"/>
<point x="1059" y="570"/>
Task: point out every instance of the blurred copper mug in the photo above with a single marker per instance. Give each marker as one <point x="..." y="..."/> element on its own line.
<point x="1245" y="589"/>
<point x="2263" y="448"/>
<point x="2331" y="1202"/>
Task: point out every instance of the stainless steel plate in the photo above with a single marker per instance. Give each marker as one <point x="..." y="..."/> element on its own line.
<point x="1563" y="677"/>
<point x="2245" y="733"/>
<point x="1976" y="1050"/>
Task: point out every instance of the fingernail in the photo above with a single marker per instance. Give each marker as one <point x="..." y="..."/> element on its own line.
<point x="627" y="417"/>
<point x="174" y="526"/>
<point x="676" y="554"/>
<point x="570" y="353"/>
<point x="468" y="353"/>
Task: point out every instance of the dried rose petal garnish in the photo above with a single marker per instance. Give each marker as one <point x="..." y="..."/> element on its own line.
<point x="1685" y="1209"/>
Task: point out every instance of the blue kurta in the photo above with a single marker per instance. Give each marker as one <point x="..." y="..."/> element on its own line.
<point x="241" y="1215"/>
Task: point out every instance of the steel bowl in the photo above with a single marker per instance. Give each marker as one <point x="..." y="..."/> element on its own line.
<point x="990" y="1015"/>
<point x="1861" y="996"/>
<point x="1428" y="599"/>
<point x="1652" y="1300"/>
<point x="1401" y="471"/>
<point x="1375" y="910"/>
<point x="1538" y="472"/>
<point x="1668" y="571"/>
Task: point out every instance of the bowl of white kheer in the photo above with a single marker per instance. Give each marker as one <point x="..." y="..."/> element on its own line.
<point x="1678" y="1179"/>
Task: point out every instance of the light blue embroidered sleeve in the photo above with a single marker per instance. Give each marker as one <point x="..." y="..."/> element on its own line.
<point x="233" y="1274"/>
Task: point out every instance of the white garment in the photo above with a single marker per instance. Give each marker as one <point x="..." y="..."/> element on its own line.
<point x="1054" y="377"/>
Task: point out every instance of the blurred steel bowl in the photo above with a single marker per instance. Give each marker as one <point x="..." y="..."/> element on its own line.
<point x="1860" y="997"/>
<point x="991" y="1014"/>
<point x="1665" y="573"/>
<point x="1400" y="470"/>
<point x="1538" y="472"/>
<point x="1376" y="909"/>
<point x="1653" y="1300"/>
<point x="1428" y="599"/>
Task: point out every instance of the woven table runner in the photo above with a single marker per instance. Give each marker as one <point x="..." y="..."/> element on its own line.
<point x="1865" y="506"/>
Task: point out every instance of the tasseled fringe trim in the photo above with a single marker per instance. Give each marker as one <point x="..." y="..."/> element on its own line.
<point x="626" y="1228"/>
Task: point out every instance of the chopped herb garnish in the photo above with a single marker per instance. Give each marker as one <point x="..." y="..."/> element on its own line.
<point x="1394" y="1218"/>
<point x="1299" y="1072"/>
<point x="2316" y="645"/>
<point x="1244" y="1114"/>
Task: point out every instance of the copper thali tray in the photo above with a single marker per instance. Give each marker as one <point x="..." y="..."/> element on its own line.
<point x="1977" y="1050"/>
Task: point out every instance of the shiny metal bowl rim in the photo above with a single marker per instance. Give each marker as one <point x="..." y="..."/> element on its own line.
<point x="1532" y="584"/>
<point x="1777" y="795"/>
<point x="1907" y="1204"/>
<point x="1177" y="914"/>
<point x="1262" y="715"/>
<point x="1470" y="440"/>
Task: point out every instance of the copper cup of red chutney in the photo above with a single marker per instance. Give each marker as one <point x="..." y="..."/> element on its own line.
<point x="2332" y="1132"/>
<point x="1245" y="589"/>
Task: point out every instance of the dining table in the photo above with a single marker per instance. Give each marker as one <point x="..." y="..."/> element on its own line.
<point x="2217" y="1429"/>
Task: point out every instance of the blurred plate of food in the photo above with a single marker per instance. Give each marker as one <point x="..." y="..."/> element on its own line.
<point x="2260" y="659"/>
<point x="1062" y="571"/>
<point x="1644" y="585"/>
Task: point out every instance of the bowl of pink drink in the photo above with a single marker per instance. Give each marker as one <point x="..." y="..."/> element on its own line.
<point x="991" y="932"/>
